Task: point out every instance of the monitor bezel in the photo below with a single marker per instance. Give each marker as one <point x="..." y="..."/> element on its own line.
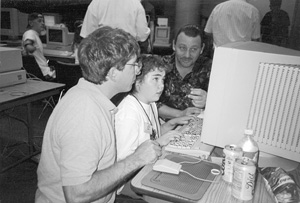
<point x="13" y="31"/>
<point x="66" y="41"/>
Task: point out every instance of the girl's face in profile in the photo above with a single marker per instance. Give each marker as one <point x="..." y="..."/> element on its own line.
<point x="151" y="87"/>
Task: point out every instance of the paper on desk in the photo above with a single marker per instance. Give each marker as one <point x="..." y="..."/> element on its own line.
<point x="216" y="160"/>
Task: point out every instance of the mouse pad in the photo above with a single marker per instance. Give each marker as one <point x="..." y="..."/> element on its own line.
<point x="183" y="184"/>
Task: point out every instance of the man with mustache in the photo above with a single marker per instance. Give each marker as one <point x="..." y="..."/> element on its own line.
<point x="187" y="83"/>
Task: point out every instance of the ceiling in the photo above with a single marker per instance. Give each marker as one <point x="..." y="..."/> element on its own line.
<point x="41" y="3"/>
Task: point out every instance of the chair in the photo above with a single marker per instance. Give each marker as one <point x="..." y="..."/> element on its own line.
<point x="68" y="73"/>
<point x="33" y="72"/>
<point x="31" y="67"/>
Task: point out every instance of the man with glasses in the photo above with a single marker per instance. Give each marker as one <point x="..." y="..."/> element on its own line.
<point x="187" y="83"/>
<point x="78" y="160"/>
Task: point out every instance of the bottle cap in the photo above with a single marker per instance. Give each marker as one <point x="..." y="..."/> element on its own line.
<point x="249" y="132"/>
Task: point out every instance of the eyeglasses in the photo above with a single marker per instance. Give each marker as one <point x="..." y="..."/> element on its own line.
<point x="137" y="65"/>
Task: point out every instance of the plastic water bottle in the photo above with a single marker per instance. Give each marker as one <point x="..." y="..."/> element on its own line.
<point x="249" y="146"/>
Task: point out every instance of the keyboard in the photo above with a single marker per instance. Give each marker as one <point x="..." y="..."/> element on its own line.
<point x="190" y="143"/>
<point x="58" y="53"/>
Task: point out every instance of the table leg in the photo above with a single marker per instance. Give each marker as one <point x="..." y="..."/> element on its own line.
<point x="31" y="150"/>
<point x="30" y="129"/>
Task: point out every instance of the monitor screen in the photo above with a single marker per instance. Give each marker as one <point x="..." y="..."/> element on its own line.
<point x="58" y="37"/>
<point x="13" y="23"/>
<point x="162" y="33"/>
<point x="55" y="35"/>
<point x="5" y="20"/>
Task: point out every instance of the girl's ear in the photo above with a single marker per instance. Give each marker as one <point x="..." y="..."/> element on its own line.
<point x="137" y="85"/>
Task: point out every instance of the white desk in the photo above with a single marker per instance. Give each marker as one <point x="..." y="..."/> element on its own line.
<point x="219" y="192"/>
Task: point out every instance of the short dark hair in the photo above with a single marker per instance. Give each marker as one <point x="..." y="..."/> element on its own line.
<point x="150" y="63"/>
<point x="106" y="47"/>
<point x="32" y="17"/>
<point x="191" y="31"/>
<point x="275" y="3"/>
<point x="77" y="38"/>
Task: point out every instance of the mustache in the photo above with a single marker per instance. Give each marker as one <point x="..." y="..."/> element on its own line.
<point x="186" y="58"/>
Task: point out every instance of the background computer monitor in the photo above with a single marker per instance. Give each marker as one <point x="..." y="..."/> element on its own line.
<point x="162" y="35"/>
<point x="58" y="37"/>
<point x="256" y="86"/>
<point x="51" y="19"/>
<point x="13" y="23"/>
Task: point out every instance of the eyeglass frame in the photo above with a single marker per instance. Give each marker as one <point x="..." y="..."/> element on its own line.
<point x="139" y="66"/>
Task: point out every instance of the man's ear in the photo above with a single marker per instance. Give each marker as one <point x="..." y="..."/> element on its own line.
<point x="112" y="74"/>
<point x="174" y="45"/>
<point x="30" y="23"/>
<point x="203" y="46"/>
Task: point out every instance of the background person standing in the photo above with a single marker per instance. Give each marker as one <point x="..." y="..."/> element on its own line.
<point x="233" y="21"/>
<point x="128" y="15"/>
<point x="275" y="25"/>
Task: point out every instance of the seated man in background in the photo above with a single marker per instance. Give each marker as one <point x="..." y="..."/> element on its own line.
<point x="78" y="160"/>
<point x="187" y="83"/>
<point x="32" y="44"/>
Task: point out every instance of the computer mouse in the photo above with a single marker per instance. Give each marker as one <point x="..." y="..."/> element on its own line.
<point x="167" y="166"/>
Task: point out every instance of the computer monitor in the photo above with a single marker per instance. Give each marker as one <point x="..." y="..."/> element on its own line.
<point x="59" y="38"/>
<point x="13" y="23"/>
<point x="255" y="86"/>
<point x="162" y="35"/>
<point x="51" y="19"/>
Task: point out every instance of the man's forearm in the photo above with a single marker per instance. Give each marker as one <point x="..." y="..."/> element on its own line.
<point x="103" y="182"/>
<point x="167" y="112"/>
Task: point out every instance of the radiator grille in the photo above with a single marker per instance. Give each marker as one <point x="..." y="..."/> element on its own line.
<point x="275" y="106"/>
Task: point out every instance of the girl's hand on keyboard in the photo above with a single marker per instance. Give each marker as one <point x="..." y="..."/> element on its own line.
<point x="167" y="137"/>
<point x="173" y="123"/>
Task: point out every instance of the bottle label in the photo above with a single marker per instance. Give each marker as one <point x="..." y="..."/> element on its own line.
<point x="252" y="155"/>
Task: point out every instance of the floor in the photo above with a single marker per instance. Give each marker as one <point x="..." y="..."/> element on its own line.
<point x="18" y="184"/>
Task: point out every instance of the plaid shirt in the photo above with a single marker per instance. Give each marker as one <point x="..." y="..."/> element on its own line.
<point x="177" y="88"/>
